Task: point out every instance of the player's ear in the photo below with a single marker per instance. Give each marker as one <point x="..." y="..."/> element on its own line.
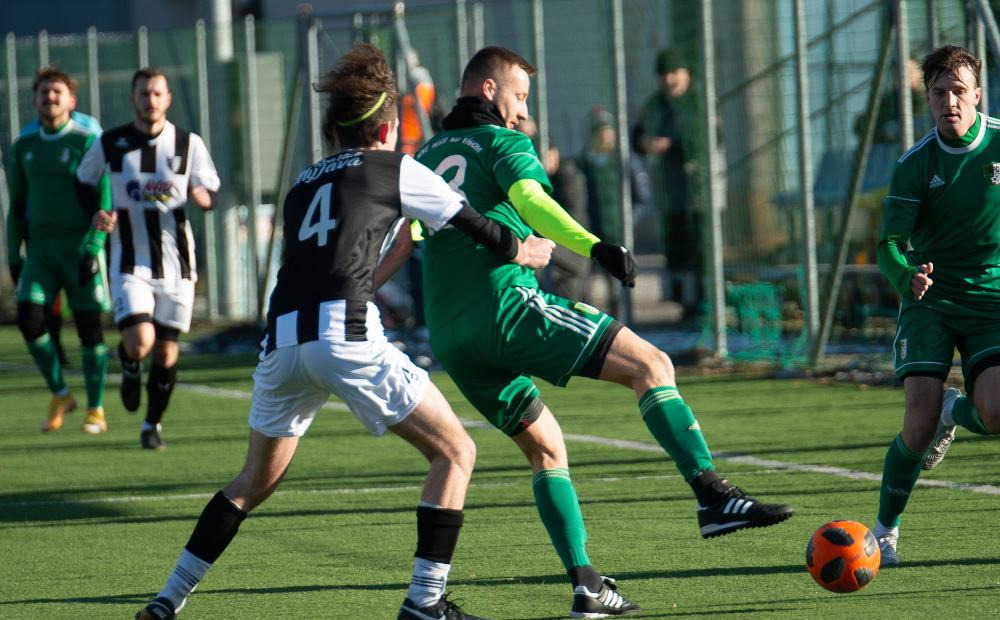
<point x="489" y="88"/>
<point x="383" y="133"/>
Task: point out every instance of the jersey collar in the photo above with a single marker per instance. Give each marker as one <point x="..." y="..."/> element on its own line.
<point x="967" y="143"/>
<point x="51" y="136"/>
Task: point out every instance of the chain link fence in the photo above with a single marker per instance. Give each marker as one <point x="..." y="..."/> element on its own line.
<point x="774" y="241"/>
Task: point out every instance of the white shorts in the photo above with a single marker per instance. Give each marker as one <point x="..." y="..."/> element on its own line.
<point x="377" y="381"/>
<point x="169" y="302"/>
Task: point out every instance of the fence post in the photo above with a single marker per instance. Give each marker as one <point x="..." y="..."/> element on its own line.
<point x="43" y="48"/>
<point x="542" y="90"/>
<point x="205" y="131"/>
<point x="93" y="75"/>
<point x="715" y="193"/>
<point x="253" y="140"/>
<point x="462" y="23"/>
<point x="312" y="76"/>
<point x="806" y="172"/>
<point x="142" y="40"/>
<point x="15" y="116"/>
<point x="905" y="102"/>
<point x="478" y="27"/>
<point x="624" y="149"/>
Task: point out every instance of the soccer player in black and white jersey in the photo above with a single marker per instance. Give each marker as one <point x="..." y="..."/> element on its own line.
<point x="155" y="169"/>
<point x="324" y="333"/>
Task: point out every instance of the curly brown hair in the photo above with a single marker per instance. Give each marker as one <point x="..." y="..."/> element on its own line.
<point x="356" y="85"/>
<point x="949" y="59"/>
<point x="50" y="73"/>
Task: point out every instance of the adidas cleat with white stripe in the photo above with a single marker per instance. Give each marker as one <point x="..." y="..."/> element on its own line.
<point x="735" y="510"/>
<point x="607" y="602"/>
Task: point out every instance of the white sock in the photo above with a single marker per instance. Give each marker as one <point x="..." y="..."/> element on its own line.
<point x="188" y="573"/>
<point x="881" y="530"/>
<point x="428" y="583"/>
<point x="946" y="415"/>
<point x="146" y="426"/>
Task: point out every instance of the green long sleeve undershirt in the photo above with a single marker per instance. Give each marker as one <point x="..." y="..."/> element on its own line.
<point x="544" y="214"/>
<point x="95" y="238"/>
<point x="892" y="261"/>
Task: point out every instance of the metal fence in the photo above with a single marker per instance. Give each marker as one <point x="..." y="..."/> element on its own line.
<point x="787" y="183"/>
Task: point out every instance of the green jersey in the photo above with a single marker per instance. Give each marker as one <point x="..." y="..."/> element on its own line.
<point x="481" y="162"/>
<point x="41" y="172"/>
<point x="946" y="197"/>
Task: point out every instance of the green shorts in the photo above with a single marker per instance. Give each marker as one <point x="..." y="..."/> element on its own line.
<point x="494" y="347"/>
<point x="49" y="269"/>
<point x="926" y="340"/>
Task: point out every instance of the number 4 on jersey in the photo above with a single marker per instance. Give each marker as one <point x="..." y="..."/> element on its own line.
<point x="324" y="224"/>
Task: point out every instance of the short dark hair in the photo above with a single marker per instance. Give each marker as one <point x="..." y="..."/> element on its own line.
<point x="50" y="73"/>
<point x="493" y="63"/>
<point x="949" y="59"/>
<point x="363" y="97"/>
<point x="668" y="60"/>
<point x="149" y="73"/>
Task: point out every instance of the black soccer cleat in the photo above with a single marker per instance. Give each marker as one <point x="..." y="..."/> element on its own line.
<point x="735" y="510"/>
<point x="131" y="388"/>
<point x="151" y="440"/>
<point x="441" y="610"/>
<point x="606" y="602"/>
<point x="157" y="609"/>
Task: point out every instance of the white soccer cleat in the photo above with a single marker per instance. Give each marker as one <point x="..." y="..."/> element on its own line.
<point x="887" y="539"/>
<point x="944" y="435"/>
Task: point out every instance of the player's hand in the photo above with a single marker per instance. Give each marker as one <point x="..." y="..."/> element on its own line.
<point x="201" y="197"/>
<point x="104" y="221"/>
<point x="15" y="270"/>
<point x="88" y="269"/>
<point x="616" y="260"/>
<point x="534" y="252"/>
<point x="920" y="281"/>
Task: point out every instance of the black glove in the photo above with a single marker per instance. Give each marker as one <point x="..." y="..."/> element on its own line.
<point x="616" y="260"/>
<point x="88" y="269"/>
<point x="15" y="271"/>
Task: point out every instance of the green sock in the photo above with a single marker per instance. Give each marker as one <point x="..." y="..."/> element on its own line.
<point x="45" y="356"/>
<point x="95" y="367"/>
<point x="900" y="473"/>
<point x="967" y="417"/>
<point x="559" y="508"/>
<point x="676" y="430"/>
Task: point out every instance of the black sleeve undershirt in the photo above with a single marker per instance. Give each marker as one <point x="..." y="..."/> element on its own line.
<point x="492" y="235"/>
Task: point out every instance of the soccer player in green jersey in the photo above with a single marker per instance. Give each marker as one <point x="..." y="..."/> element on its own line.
<point x="493" y="330"/>
<point x="64" y="251"/>
<point x="944" y="199"/>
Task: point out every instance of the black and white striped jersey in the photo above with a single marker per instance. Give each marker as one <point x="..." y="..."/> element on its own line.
<point x="150" y="180"/>
<point x="340" y="217"/>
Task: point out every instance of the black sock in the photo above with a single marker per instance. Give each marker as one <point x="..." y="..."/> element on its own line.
<point x="216" y="528"/>
<point x="159" y="387"/>
<point x="703" y="487"/>
<point x="437" y="533"/>
<point x="586" y="576"/>
<point x="130" y="365"/>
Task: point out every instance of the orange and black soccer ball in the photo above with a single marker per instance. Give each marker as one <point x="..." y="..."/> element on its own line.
<point x="843" y="556"/>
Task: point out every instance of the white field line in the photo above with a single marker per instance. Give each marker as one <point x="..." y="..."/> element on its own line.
<point x="768" y="465"/>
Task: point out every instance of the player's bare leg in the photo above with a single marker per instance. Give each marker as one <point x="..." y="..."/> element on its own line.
<point x="433" y="429"/>
<point x="555" y="497"/>
<point x="722" y="507"/>
<point x="136" y="343"/>
<point x="159" y="386"/>
<point x="267" y="461"/>
<point x="904" y="459"/>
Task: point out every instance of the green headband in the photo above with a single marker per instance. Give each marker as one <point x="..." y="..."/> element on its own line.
<point x="378" y="104"/>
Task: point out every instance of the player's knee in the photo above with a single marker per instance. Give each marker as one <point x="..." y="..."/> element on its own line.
<point x="31" y="321"/>
<point x="464" y="454"/>
<point x="990" y="417"/>
<point x="656" y="367"/>
<point x="88" y="327"/>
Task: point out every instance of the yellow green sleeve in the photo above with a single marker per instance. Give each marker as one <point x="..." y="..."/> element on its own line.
<point x="892" y="261"/>
<point x="545" y="215"/>
<point x="95" y="238"/>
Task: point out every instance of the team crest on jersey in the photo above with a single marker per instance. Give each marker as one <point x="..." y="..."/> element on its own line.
<point x="29" y="156"/>
<point x="64" y="157"/>
<point x="991" y="172"/>
<point x="174" y="163"/>
<point x="122" y="143"/>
